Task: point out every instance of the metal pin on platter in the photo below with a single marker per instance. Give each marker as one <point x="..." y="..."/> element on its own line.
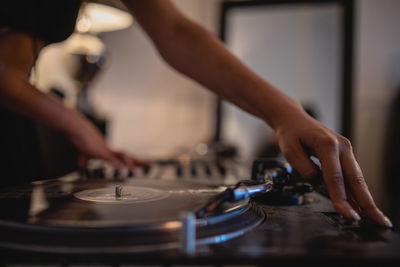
<point x="118" y="191"/>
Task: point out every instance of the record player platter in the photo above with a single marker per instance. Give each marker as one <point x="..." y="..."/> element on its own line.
<point x="70" y="215"/>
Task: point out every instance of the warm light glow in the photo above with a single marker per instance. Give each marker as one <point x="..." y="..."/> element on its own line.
<point x="83" y="25"/>
<point x="85" y="44"/>
<point x="95" y="18"/>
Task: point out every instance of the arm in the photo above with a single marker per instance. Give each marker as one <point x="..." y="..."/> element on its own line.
<point x="18" y="95"/>
<point x="198" y="54"/>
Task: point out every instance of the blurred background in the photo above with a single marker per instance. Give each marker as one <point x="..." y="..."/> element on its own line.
<point x="110" y="71"/>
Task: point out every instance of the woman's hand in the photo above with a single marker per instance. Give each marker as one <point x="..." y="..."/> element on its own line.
<point x="300" y="137"/>
<point x="91" y="144"/>
<point x="18" y="95"/>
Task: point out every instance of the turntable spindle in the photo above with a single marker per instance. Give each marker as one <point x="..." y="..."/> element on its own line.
<point x="118" y="191"/>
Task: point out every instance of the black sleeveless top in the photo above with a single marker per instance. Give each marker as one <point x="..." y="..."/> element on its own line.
<point x="50" y="21"/>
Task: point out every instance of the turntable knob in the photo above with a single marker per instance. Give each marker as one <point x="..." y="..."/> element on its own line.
<point x="193" y="169"/>
<point x="118" y="191"/>
<point x="98" y="172"/>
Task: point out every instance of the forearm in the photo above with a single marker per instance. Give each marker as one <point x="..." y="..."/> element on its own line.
<point x="198" y="54"/>
<point x="18" y="95"/>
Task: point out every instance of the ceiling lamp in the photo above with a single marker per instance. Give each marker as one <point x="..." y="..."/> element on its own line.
<point x="84" y="44"/>
<point x="95" y="18"/>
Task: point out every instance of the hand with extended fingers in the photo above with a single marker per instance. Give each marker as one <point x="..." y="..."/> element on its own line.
<point x="303" y="137"/>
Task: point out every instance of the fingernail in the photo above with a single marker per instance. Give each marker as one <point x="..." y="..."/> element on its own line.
<point x="387" y="222"/>
<point x="355" y="215"/>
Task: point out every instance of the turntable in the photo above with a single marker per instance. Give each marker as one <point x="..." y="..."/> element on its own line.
<point x="172" y="219"/>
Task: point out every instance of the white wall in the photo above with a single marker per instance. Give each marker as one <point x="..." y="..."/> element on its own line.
<point x="153" y="109"/>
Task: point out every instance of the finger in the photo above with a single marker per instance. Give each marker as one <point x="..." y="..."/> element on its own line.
<point x="82" y="162"/>
<point x="128" y="161"/>
<point x="299" y="160"/>
<point x="360" y="190"/>
<point x="142" y="163"/>
<point x="135" y="161"/>
<point x="115" y="162"/>
<point x="328" y="155"/>
<point x="353" y="202"/>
